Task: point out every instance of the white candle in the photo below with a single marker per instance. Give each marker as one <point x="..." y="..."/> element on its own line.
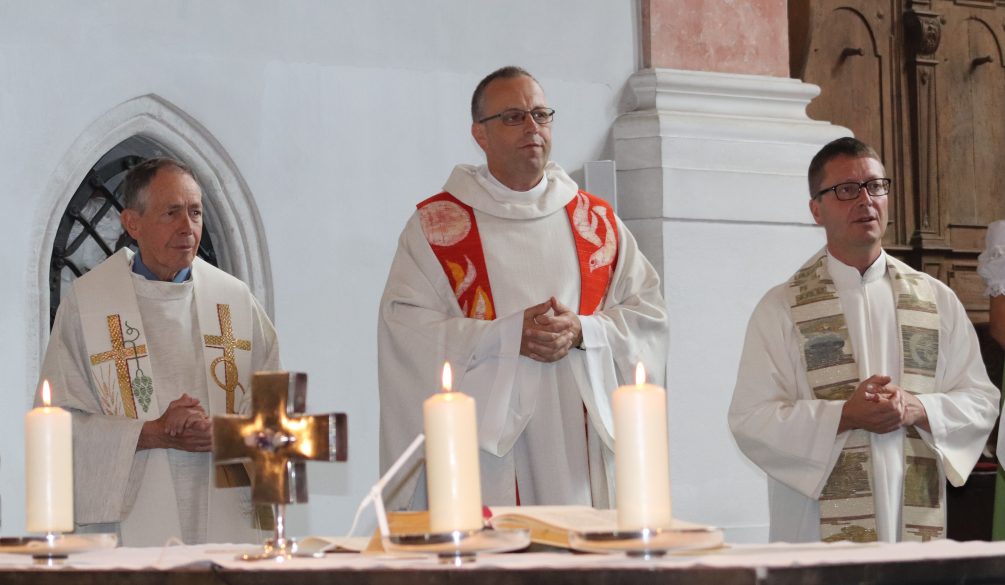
<point x="640" y="449"/>
<point x="48" y="467"/>
<point x="452" y="473"/>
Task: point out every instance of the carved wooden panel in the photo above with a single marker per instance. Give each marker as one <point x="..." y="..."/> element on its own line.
<point x="923" y="36"/>
<point x="968" y="285"/>
<point x="972" y="124"/>
<point x="847" y="49"/>
<point x="956" y="106"/>
<point x="928" y="92"/>
<point x="853" y="60"/>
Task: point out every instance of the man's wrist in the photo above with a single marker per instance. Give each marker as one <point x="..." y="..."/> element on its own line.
<point x="151" y="436"/>
<point x="918" y="413"/>
<point x="844" y="423"/>
<point x="580" y="342"/>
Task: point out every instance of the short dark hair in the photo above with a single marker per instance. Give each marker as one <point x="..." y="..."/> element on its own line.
<point x="846" y="146"/>
<point x="477" y="98"/>
<point x="134" y="186"/>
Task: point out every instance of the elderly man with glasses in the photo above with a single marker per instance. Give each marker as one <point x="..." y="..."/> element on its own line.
<point x="538" y="296"/>
<point x="861" y="387"/>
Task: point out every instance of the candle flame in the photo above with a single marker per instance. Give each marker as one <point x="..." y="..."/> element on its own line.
<point x="447" y="377"/>
<point x="640" y="374"/>
<point x="46" y="393"/>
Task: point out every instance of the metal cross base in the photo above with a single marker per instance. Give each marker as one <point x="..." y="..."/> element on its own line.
<point x="278" y="548"/>
<point x="276" y="441"/>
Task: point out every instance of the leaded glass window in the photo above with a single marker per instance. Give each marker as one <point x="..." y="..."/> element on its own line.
<point x="89" y="231"/>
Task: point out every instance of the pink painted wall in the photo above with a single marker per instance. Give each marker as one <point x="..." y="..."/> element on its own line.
<point x="728" y="36"/>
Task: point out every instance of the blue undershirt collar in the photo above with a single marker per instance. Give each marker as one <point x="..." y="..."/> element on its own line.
<point x="140" y="268"/>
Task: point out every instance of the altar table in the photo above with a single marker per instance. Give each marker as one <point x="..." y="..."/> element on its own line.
<point x="929" y="563"/>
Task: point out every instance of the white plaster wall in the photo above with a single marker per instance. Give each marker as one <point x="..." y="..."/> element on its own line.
<point x="735" y="264"/>
<point x="712" y="181"/>
<point x="340" y="115"/>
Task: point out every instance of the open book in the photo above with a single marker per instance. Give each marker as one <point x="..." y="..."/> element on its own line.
<point x="548" y="525"/>
<point x="551" y="525"/>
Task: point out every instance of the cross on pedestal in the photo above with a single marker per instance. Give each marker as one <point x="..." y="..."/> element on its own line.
<point x="278" y="439"/>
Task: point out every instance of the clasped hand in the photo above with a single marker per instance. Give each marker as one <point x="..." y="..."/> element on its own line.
<point x="550" y="330"/>
<point x="184" y="425"/>
<point x="880" y="407"/>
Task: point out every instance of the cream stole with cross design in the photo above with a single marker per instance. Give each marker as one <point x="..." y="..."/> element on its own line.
<point x="124" y="378"/>
<point x="847" y="508"/>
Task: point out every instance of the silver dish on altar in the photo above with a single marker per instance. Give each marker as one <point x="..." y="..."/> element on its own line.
<point x="58" y="547"/>
<point x="648" y="542"/>
<point x="459" y="546"/>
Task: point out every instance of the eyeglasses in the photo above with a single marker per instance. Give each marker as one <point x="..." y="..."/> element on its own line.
<point x="515" y="117"/>
<point x="849" y="191"/>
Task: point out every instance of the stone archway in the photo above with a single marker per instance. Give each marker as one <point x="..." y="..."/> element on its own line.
<point x="229" y="203"/>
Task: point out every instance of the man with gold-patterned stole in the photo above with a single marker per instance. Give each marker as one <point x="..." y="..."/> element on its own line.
<point x="861" y="387"/>
<point x="144" y="350"/>
<point x="538" y="296"/>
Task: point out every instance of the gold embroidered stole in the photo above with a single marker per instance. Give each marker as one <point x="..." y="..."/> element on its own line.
<point x="116" y="338"/>
<point x="847" y="507"/>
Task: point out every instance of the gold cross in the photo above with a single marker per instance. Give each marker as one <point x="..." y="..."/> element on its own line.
<point x="121" y="355"/>
<point x="278" y="438"/>
<point x="227" y="343"/>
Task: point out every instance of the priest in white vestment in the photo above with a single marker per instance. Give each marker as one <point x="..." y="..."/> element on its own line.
<point x="540" y="299"/>
<point x="861" y="387"/>
<point x="144" y="350"/>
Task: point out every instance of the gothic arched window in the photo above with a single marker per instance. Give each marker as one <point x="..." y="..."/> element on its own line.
<point x="89" y="230"/>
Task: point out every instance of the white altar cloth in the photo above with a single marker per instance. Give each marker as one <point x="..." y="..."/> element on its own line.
<point x="760" y="557"/>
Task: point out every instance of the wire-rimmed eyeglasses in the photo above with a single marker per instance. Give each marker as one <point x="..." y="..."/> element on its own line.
<point x="515" y="116"/>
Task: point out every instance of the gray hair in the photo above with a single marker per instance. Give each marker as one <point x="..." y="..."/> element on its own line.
<point x="134" y="186"/>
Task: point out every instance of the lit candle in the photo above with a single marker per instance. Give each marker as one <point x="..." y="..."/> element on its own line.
<point x="642" y="465"/>
<point x="452" y="472"/>
<point x="48" y="467"/>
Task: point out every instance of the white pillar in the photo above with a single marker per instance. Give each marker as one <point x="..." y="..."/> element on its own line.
<point x="712" y="182"/>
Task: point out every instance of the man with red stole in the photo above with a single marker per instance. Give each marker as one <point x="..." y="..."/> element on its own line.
<point x="538" y="296"/>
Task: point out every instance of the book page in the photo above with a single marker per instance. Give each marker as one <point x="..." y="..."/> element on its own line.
<point x="566" y="518"/>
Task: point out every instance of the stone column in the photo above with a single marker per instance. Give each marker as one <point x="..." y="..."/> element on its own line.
<point x="712" y="181"/>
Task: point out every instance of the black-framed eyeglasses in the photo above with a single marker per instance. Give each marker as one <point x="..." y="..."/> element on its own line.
<point x="849" y="191"/>
<point x="515" y="117"/>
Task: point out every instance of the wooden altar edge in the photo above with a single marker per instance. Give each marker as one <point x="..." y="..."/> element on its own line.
<point x="922" y="571"/>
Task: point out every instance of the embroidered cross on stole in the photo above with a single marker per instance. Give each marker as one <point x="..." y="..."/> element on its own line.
<point x="123" y="373"/>
<point x="228" y="343"/>
<point x="847" y="507"/>
<point x="123" y="350"/>
<point x="452" y="232"/>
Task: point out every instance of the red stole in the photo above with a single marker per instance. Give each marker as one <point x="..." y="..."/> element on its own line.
<point x="452" y="233"/>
